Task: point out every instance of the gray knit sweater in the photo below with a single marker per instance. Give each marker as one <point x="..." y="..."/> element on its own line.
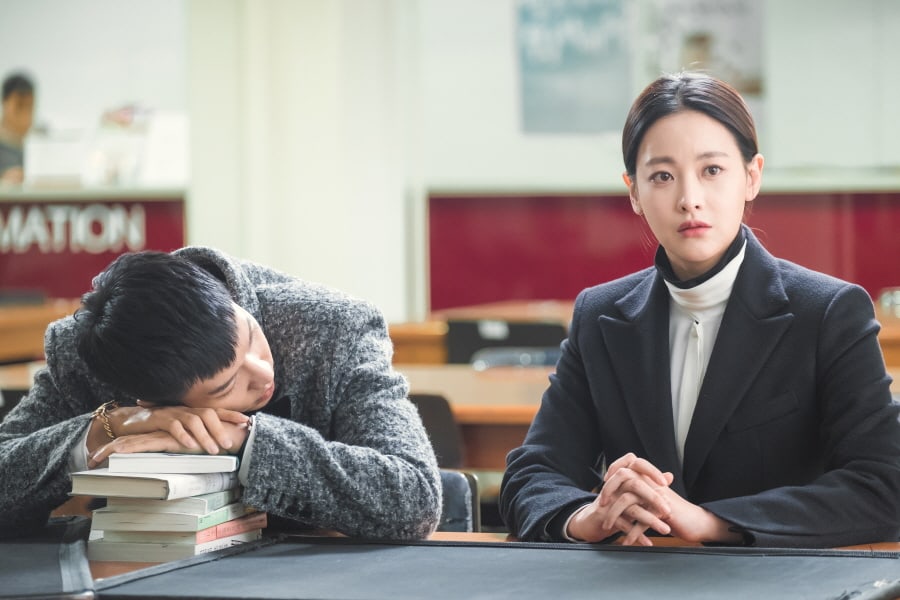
<point x="351" y="456"/>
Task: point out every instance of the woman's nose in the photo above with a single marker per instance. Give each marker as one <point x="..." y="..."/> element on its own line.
<point x="691" y="196"/>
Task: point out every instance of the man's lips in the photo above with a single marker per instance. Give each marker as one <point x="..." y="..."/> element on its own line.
<point x="267" y="394"/>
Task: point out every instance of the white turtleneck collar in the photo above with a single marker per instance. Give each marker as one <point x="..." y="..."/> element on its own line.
<point x="694" y="320"/>
<point x="712" y="292"/>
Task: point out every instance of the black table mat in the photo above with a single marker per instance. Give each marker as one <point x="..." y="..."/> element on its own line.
<point x="345" y="569"/>
<point x="49" y="564"/>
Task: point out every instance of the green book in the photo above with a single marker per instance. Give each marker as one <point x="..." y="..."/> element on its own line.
<point x="194" y="505"/>
<point x="135" y="520"/>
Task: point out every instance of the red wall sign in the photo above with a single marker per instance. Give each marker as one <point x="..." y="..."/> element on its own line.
<point x="56" y="247"/>
<point x="526" y="247"/>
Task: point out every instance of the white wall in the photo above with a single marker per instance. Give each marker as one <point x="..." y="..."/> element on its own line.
<point x="318" y="125"/>
<point x="91" y="55"/>
<point x="830" y="76"/>
<point x="300" y="138"/>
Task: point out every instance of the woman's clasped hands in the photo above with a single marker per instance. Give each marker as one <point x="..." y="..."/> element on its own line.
<point x="635" y="498"/>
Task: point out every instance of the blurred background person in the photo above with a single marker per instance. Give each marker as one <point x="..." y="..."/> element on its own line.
<point x="15" y="122"/>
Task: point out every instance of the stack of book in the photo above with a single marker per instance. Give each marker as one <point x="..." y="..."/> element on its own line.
<point x="162" y="507"/>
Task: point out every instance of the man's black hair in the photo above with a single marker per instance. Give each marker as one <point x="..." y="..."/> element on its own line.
<point x="17" y="83"/>
<point x="155" y="324"/>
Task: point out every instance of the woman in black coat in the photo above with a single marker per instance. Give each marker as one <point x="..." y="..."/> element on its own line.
<point x="722" y="395"/>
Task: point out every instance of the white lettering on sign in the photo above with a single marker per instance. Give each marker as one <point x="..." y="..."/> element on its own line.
<point x="58" y="228"/>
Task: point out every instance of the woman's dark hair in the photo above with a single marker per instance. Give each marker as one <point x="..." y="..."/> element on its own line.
<point x="155" y="324"/>
<point x="671" y="94"/>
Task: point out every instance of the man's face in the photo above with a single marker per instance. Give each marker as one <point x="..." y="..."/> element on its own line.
<point x="247" y="384"/>
<point x="18" y="113"/>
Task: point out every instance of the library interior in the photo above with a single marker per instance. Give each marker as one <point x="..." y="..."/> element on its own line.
<point x="458" y="166"/>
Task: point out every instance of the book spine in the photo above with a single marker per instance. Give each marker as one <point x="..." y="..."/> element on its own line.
<point x="152" y="552"/>
<point x="226" y="513"/>
<point x="257" y="520"/>
<point x="200" y="483"/>
<point x="194" y="505"/>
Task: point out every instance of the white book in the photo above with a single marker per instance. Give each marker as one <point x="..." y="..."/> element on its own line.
<point x="168" y="462"/>
<point x="100" y="549"/>
<point x="101" y="482"/>
<point x="104" y="519"/>
<point x="194" y="505"/>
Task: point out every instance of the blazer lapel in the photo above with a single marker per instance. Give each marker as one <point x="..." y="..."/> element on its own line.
<point x="638" y="345"/>
<point x="753" y="323"/>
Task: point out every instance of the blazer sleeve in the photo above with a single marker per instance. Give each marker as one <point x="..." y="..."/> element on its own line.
<point x="547" y="477"/>
<point x="374" y="474"/>
<point x="856" y="498"/>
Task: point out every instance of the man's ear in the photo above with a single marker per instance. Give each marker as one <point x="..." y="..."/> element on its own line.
<point x="632" y="195"/>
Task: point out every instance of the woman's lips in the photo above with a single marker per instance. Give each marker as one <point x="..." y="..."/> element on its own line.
<point x="690" y="228"/>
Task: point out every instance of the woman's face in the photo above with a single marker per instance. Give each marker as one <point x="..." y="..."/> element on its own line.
<point x="691" y="185"/>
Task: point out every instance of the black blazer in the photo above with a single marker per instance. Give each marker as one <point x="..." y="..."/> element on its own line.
<point x="795" y="438"/>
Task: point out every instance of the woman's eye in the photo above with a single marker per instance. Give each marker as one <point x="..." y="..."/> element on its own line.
<point x="661" y="177"/>
<point x="713" y="170"/>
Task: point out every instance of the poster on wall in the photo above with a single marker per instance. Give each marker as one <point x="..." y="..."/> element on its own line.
<point x="722" y="38"/>
<point x="582" y="62"/>
<point x="574" y="66"/>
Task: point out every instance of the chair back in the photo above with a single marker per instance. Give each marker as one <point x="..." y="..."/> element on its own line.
<point x="461" y="508"/>
<point x="442" y="429"/>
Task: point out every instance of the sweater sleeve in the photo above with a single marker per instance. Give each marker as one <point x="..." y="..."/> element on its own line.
<point x="36" y="440"/>
<point x="370" y="471"/>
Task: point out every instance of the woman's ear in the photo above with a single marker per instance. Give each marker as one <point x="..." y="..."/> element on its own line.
<point x="754" y="177"/>
<point x="632" y="195"/>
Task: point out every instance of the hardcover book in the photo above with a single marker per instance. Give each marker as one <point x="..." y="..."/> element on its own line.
<point x="167" y="462"/>
<point x="135" y="520"/>
<point x="154" y="552"/>
<point x="102" y="482"/>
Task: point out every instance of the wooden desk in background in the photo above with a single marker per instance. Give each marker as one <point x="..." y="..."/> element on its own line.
<point x="889" y="337"/>
<point x="493" y="408"/>
<point x="425" y="342"/>
<point x="555" y="311"/>
<point x="22" y="328"/>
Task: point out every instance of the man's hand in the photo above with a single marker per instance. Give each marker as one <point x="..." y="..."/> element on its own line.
<point x="149" y="428"/>
<point x="160" y="441"/>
